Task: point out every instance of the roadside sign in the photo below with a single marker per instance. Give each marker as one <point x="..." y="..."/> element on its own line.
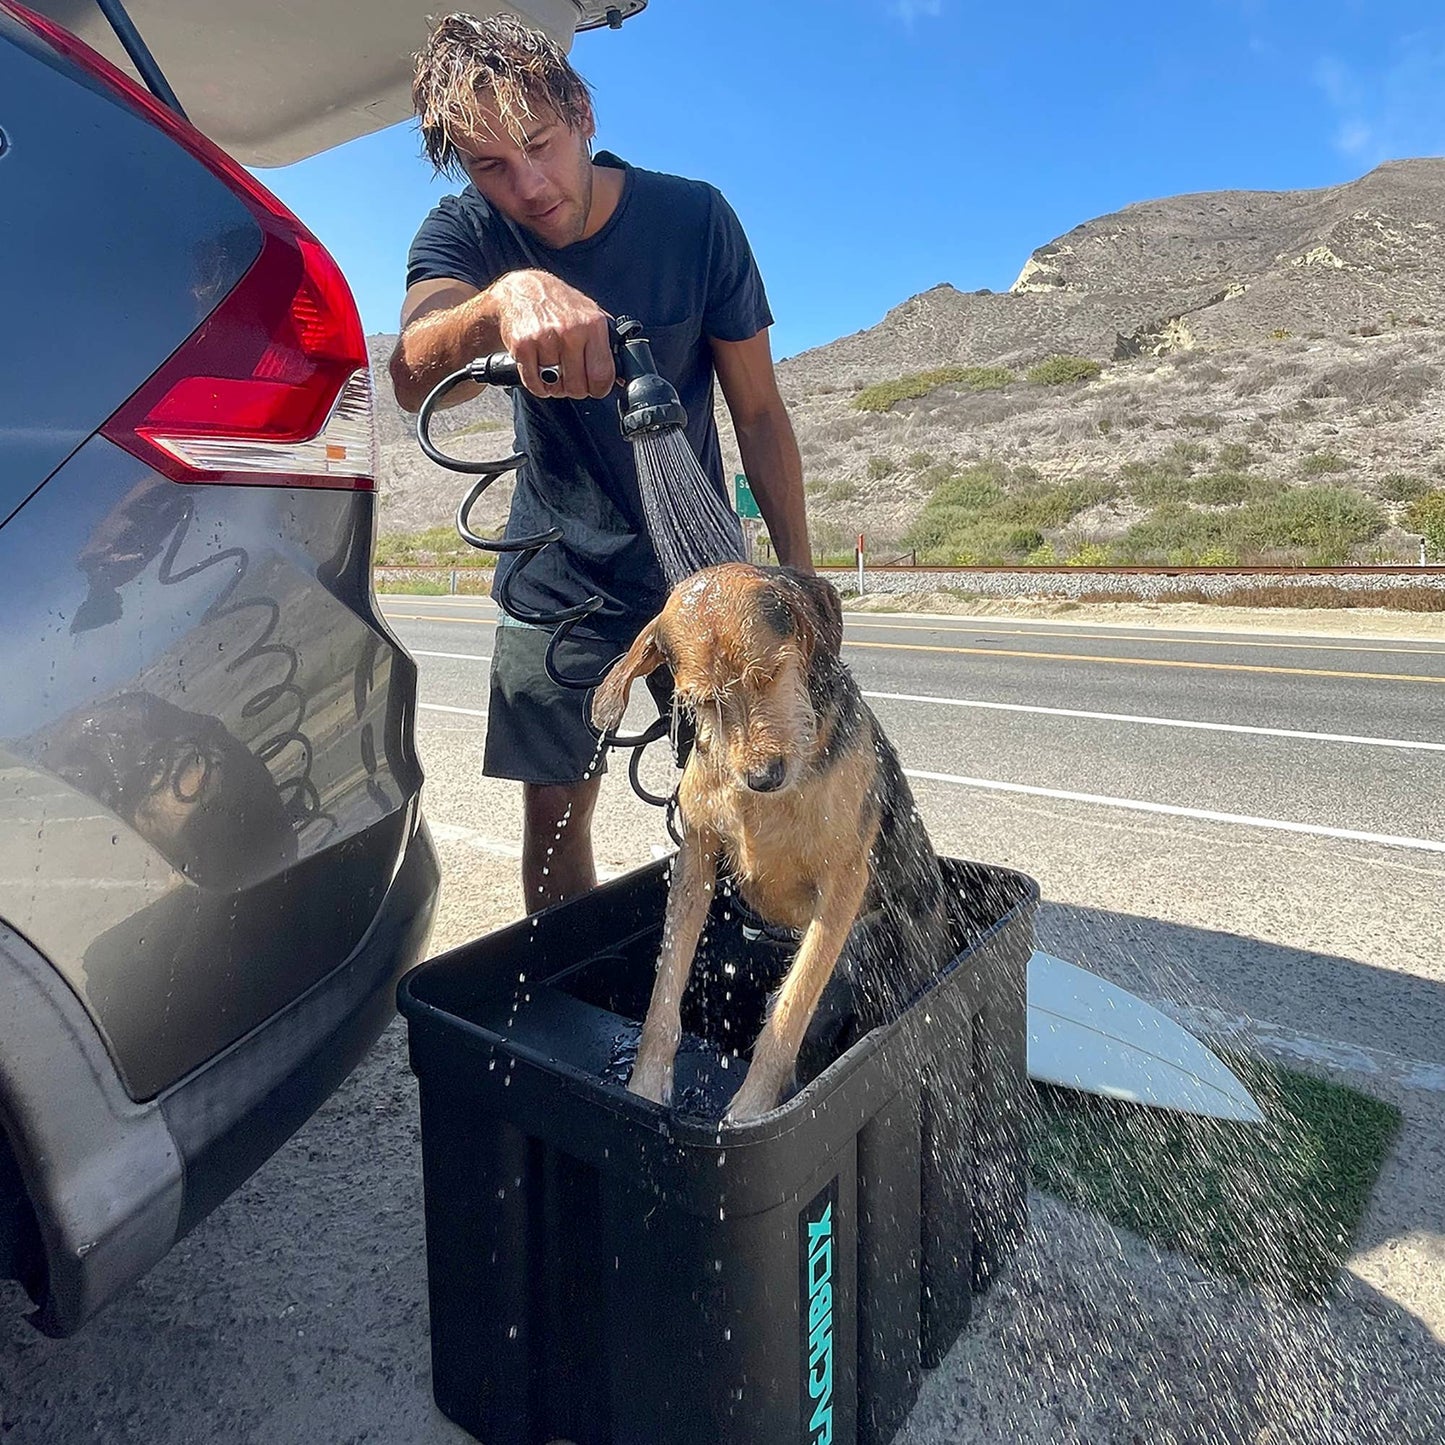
<point x="747" y="504"/>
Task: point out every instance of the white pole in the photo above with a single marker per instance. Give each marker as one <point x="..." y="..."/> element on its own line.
<point x="860" y="564"/>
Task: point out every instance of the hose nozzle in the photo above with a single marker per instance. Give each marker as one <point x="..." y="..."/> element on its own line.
<point x="500" y="369"/>
<point x="650" y="402"/>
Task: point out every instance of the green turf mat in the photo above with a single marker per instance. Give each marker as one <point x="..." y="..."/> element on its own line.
<point x="1275" y="1204"/>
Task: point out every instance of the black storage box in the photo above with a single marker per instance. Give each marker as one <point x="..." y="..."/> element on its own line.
<point x="613" y="1273"/>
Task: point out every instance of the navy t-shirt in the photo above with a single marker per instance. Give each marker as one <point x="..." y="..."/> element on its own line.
<point x="673" y="256"/>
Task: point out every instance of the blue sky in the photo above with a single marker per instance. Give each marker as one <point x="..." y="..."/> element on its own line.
<point x="874" y="148"/>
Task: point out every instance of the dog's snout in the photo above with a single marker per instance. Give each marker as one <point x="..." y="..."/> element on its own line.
<point x="768" y="778"/>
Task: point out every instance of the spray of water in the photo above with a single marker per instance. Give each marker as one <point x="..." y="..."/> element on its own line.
<point x="691" y="525"/>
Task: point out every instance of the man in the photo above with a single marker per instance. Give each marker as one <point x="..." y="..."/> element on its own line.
<point x="533" y="257"/>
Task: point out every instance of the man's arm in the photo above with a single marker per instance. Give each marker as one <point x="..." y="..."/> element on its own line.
<point x="439" y="324"/>
<point x="541" y="320"/>
<point x="766" y="442"/>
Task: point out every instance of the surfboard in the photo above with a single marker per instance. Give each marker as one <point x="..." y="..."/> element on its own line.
<point x="1088" y="1034"/>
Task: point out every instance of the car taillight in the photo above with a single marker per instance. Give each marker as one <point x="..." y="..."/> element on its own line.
<point x="274" y="386"/>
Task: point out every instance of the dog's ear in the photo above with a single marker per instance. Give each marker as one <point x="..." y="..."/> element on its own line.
<point x="609" y="702"/>
<point x="822" y="614"/>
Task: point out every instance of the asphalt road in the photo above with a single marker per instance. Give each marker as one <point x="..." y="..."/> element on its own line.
<point x="1286" y="791"/>
<point x="1330" y="734"/>
<point x="1247" y="828"/>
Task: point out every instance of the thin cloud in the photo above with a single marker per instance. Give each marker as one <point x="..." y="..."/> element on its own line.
<point x="912" y="11"/>
<point x="1393" y="110"/>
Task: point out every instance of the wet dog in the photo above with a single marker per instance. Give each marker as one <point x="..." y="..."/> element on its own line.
<point x="792" y="792"/>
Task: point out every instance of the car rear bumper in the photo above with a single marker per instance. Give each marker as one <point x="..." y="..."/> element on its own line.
<point x="167" y="1163"/>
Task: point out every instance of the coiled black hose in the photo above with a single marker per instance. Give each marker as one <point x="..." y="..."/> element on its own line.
<point x="500" y="369"/>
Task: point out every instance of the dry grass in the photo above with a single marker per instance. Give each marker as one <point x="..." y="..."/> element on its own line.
<point x="1265" y="376"/>
<point x="1370" y="383"/>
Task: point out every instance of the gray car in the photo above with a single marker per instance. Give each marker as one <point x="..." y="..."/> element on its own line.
<point x="213" y="863"/>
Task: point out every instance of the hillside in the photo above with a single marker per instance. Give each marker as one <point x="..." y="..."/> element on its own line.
<point x="1248" y="345"/>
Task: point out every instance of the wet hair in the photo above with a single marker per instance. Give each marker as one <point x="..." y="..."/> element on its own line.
<point x="500" y="60"/>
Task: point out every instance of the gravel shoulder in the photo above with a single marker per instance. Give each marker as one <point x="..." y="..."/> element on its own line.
<point x="1184" y="616"/>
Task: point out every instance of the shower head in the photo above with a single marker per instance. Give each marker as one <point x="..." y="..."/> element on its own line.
<point x="650" y="403"/>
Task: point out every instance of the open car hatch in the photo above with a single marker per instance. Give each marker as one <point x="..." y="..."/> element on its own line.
<point x="274" y="81"/>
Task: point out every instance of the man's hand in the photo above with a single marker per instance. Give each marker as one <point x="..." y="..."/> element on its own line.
<point x="543" y="321"/>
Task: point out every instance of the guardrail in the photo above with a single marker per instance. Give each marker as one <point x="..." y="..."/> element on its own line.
<point x="454" y="581"/>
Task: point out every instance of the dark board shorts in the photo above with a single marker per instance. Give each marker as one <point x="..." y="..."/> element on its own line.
<point x="536" y="732"/>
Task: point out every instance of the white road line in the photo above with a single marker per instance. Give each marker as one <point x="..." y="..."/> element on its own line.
<point x="464" y="711"/>
<point x="1139" y="805"/>
<point x="1124" y="717"/>
<point x="1163" y="722"/>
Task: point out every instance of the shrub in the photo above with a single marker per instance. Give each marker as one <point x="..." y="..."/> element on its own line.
<point x="1235" y="456"/>
<point x="1427" y="516"/>
<point x="1165" y="478"/>
<point x="917" y="461"/>
<point x="1196" y="421"/>
<point x="841" y="491"/>
<point x="879" y="467"/>
<point x="1320" y="464"/>
<point x="1172" y="532"/>
<point x="986" y="378"/>
<point x="988" y="509"/>
<point x="1062" y="371"/>
<point x="1228" y="489"/>
<point x="987" y="542"/>
<point x="1048" y="506"/>
<point x="1324" y="520"/>
<point x="1400" y="487"/>
<point x="1044" y="556"/>
<point x="1088" y="554"/>
<point x="1322" y="523"/>
<point x="936" y="475"/>
<point x="971" y="491"/>
<point x="885" y="394"/>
